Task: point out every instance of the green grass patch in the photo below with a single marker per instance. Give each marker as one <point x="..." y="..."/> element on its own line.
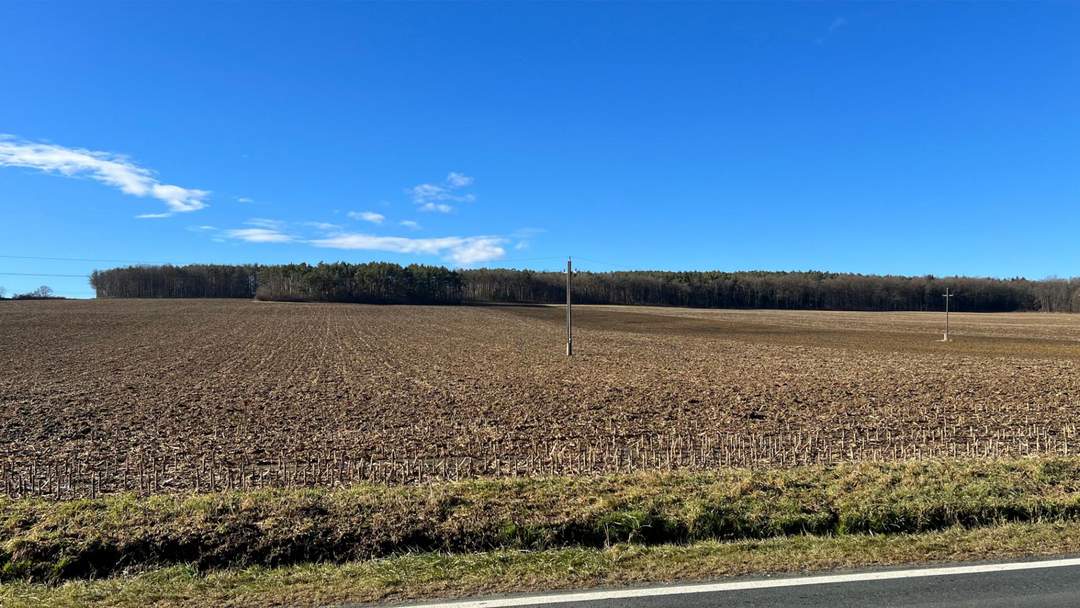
<point x="431" y="575"/>
<point x="49" y="541"/>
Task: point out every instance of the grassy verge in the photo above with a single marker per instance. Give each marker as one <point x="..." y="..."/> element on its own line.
<point x="445" y="575"/>
<point x="47" y="541"/>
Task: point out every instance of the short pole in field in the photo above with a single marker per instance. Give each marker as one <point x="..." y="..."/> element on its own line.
<point x="569" y="325"/>
<point x="948" y="296"/>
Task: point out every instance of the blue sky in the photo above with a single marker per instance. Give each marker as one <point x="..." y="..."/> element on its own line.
<point x="875" y="138"/>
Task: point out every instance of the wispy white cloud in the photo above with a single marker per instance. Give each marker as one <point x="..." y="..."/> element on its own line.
<point x="262" y="222"/>
<point x="460" y="250"/>
<point x="440" y="207"/>
<point x="264" y="231"/>
<point x="458" y="180"/>
<point x="367" y="216"/>
<point x="244" y="199"/>
<point x="108" y="168"/>
<point x="836" y="24"/>
<point x="525" y="233"/>
<point x="259" y="235"/>
<point x="324" y="226"/>
<point x="437" y="197"/>
<point x="525" y="236"/>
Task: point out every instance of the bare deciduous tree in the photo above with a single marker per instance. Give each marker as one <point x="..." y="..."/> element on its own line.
<point x="41" y="293"/>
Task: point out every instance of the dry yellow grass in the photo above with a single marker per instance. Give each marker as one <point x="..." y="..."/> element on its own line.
<point x="422" y="576"/>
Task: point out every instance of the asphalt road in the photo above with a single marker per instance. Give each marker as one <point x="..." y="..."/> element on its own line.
<point x="1043" y="584"/>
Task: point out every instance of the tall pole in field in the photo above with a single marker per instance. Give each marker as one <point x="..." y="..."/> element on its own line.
<point x="569" y="325"/>
<point x="948" y="296"/>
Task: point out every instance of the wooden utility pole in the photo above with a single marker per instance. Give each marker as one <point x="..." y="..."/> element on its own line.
<point x="569" y="325"/>
<point x="947" y="296"/>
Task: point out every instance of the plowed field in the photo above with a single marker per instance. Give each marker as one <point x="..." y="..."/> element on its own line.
<point x="160" y="395"/>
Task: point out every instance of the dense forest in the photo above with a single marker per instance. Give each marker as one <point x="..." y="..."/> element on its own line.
<point x="391" y="283"/>
<point x="194" y="281"/>
<point x="377" y="283"/>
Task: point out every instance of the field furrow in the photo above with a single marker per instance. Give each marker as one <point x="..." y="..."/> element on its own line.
<point x="164" y="395"/>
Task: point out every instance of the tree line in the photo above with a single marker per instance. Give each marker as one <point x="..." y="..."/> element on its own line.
<point x="375" y="283"/>
<point x="380" y="282"/>
<point x="41" y="293"/>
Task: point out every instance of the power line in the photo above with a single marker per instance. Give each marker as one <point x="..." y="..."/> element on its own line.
<point x="35" y="257"/>
<point x="597" y="261"/>
<point x="61" y="259"/>
<point x="611" y="266"/>
<point x="41" y="274"/>
<point x="550" y="257"/>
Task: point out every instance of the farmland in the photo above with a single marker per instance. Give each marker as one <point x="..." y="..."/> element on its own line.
<point x="163" y="395"/>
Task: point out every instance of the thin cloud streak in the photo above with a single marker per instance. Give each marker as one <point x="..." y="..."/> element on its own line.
<point x="463" y="251"/>
<point x="110" y="169"/>
<point x="324" y="226"/>
<point x="259" y="235"/>
<point x="460" y="250"/>
<point x="836" y="24"/>
<point x="260" y="222"/>
<point x="367" y="216"/>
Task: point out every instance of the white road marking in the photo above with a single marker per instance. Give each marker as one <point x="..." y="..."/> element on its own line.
<point x="829" y="579"/>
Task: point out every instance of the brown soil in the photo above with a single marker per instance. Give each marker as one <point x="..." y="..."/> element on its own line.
<point x="266" y="382"/>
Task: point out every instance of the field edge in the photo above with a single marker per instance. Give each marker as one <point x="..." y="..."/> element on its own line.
<point x="53" y="541"/>
<point x="439" y="575"/>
